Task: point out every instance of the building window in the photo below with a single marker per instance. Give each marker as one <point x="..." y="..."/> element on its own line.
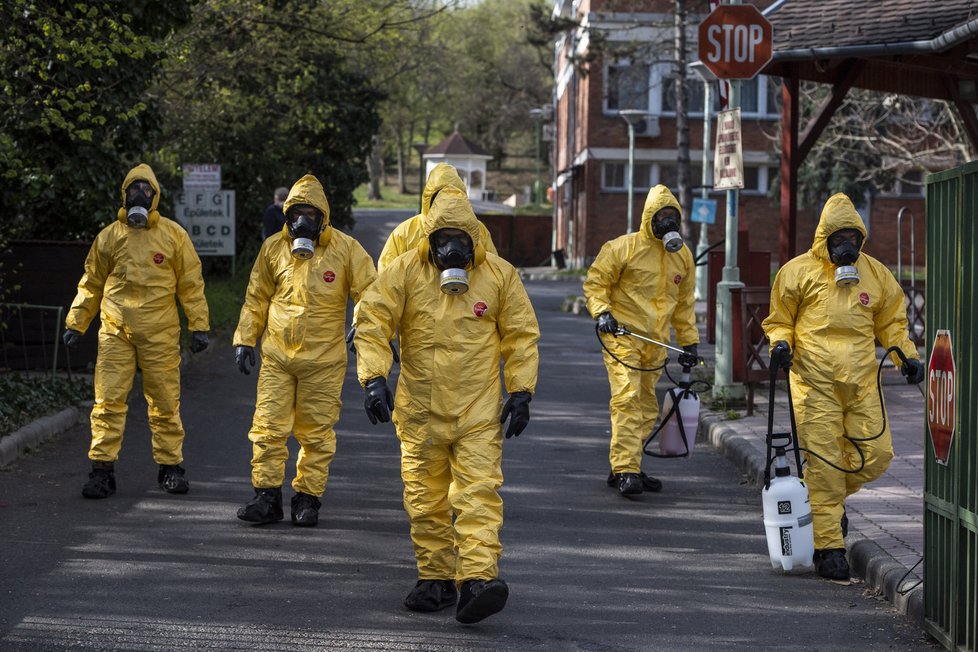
<point x="912" y="184"/>
<point x="614" y="176"/>
<point x="628" y="87"/>
<point x="760" y="96"/>
<point x="908" y="184"/>
<point x="694" y="94"/>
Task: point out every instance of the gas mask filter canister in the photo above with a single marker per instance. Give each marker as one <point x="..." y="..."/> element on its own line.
<point x="302" y="248"/>
<point x="137" y="217"/>
<point x="846" y="276"/>
<point x="454" y="281"/>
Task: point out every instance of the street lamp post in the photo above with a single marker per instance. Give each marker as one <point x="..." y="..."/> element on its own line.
<point x="537" y="115"/>
<point x="420" y="148"/>
<point x="632" y="117"/>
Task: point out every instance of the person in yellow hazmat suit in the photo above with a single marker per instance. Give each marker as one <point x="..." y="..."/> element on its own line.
<point x="407" y="234"/>
<point x="136" y="268"/>
<point x="828" y="306"/>
<point x="296" y="302"/>
<point x="642" y="281"/>
<point x="459" y="311"/>
<point x="410" y="232"/>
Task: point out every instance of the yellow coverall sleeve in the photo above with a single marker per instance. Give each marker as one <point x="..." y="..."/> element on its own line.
<point x="396" y="244"/>
<point x="601" y="277"/>
<point x="684" y="315"/>
<point x="362" y="273"/>
<point x="519" y="333"/>
<point x="890" y="322"/>
<point x="190" y="285"/>
<point x="380" y="313"/>
<point x="254" y="312"/>
<point x="780" y="323"/>
<point x="88" y="300"/>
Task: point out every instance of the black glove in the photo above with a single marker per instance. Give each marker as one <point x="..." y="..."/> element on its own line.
<point x="689" y="358"/>
<point x="518" y="405"/>
<point x="607" y="323"/>
<point x="70" y="337"/>
<point x="198" y="341"/>
<point x="245" y="357"/>
<point x="350" y="334"/>
<point x="379" y="401"/>
<point x="781" y="355"/>
<point x="913" y="370"/>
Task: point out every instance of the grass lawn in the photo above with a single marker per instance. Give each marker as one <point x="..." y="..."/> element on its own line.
<point x="392" y="198"/>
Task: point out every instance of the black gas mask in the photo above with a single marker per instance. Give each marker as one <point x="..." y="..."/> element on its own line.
<point x="304" y="224"/>
<point x="139" y="199"/>
<point x="451" y="251"/>
<point x="665" y="226"/>
<point x="844" y="246"/>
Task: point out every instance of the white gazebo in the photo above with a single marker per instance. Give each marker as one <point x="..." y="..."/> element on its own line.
<point x="467" y="157"/>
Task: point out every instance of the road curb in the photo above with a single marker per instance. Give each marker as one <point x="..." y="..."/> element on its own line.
<point x="868" y="560"/>
<point x="16" y="444"/>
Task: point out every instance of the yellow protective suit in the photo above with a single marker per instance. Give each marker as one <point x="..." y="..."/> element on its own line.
<point x="132" y="276"/>
<point x="646" y="289"/>
<point x="448" y="398"/>
<point x="831" y="331"/>
<point x="298" y="307"/>
<point x="407" y="234"/>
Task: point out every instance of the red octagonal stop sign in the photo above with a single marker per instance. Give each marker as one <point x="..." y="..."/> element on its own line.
<point x="735" y="41"/>
<point x="941" y="396"/>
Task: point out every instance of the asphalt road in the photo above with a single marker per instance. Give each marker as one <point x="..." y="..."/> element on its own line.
<point x="686" y="569"/>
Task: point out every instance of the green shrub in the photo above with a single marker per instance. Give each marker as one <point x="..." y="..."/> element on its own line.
<point x="26" y="398"/>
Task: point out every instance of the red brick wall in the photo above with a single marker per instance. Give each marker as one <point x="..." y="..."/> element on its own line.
<point x="523" y="240"/>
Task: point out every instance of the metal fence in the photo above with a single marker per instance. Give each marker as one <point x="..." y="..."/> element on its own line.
<point x="951" y="491"/>
<point x="30" y="337"/>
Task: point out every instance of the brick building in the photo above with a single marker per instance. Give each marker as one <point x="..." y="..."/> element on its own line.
<point x="590" y="156"/>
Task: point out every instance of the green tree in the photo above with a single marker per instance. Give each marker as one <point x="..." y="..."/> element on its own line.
<point x="270" y="91"/>
<point x="73" y="112"/>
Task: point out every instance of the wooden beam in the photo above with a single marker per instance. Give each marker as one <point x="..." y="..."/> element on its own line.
<point x="789" y="165"/>
<point x="929" y="63"/>
<point x="965" y="109"/>
<point x="848" y="73"/>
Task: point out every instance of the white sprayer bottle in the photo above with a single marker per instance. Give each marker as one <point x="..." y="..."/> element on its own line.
<point x="787" y="517"/>
<point x="671" y="441"/>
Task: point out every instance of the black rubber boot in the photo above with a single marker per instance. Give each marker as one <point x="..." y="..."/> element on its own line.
<point x="265" y="507"/>
<point x="431" y="595"/>
<point x="480" y="599"/>
<point x="629" y="484"/>
<point x="171" y="480"/>
<point x="101" y="481"/>
<point x="832" y="564"/>
<point x="305" y="510"/>
<point x="649" y="483"/>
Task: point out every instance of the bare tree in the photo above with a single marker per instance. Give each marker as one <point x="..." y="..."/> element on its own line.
<point x="875" y="140"/>
<point x="682" y="114"/>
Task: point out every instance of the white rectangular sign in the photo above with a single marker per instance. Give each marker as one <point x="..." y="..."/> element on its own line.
<point x="201" y="176"/>
<point x="208" y="216"/>
<point x="728" y="161"/>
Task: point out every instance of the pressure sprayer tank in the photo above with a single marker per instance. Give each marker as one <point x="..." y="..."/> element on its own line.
<point x="671" y="441"/>
<point x="787" y="518"/>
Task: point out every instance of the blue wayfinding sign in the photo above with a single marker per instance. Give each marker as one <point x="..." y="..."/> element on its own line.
<point x="704" y="211"/>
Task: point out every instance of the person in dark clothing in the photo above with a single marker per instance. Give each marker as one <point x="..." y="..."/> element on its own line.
<point x="274" y="218"/>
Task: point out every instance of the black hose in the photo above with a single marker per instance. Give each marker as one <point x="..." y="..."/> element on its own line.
<point x="622" y="362"/>
<point x="854" y="440"/>
<point x="696" y="261"/>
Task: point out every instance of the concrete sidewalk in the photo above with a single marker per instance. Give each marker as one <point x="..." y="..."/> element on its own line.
<point x="886" y="535"/>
